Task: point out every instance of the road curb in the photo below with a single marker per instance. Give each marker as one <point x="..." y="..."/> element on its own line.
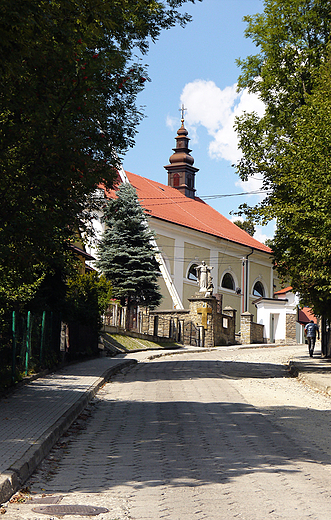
<point x="309" y="378"/>
<point x="313" y="382"/>
<point x="12" y="479"/>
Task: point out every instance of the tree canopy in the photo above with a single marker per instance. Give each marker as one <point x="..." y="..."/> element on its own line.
<point x="126" y="255"/>
<point x="292" y="37"/>
<point x="303" y="199"/>
<point x="68" y="86"/>
<point x="246" y="225"/>
<point x="287" y="146"/>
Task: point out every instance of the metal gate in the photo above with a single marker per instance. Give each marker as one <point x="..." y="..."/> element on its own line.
<point x="193" y="335"/>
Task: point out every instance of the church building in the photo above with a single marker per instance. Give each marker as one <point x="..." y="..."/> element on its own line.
<point x="189" y="231"/>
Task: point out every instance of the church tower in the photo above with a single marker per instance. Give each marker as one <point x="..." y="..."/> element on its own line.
<point x="181" y="172"/>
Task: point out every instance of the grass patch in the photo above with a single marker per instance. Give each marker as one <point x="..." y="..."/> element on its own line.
<point x="129" y="344"/>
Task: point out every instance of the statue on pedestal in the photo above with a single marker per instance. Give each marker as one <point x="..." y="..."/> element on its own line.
<point x="204" y="278"/>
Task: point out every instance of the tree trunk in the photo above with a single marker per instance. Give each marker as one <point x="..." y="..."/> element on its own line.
<point x="325" y="337"/>
<point x="127" y="316"/>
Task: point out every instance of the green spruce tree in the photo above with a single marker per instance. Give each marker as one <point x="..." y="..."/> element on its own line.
<point x="126" y="255"/>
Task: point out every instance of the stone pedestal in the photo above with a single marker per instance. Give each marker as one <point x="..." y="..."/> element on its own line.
<point x="218" y="326"/>
<point x="202" y="314"/>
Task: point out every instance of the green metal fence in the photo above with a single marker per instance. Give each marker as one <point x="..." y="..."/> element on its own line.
<point x="29" y="342"/>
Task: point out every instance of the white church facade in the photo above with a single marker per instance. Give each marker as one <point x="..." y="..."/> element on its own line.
<point x="189" y="231"/>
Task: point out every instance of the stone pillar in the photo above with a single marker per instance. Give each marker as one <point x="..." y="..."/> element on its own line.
<point x="246" y="328"/>
<point x="291" y="332"/>
<point x="229" y="311"/>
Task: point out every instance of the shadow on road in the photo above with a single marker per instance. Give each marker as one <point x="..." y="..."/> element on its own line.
<point x="183" y="369"/>
<point x="148" y="442"/>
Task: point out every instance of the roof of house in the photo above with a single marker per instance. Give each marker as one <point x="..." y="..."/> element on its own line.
<point x="168" y="204"/>
<point x="79" y="250"/>
<point x="305" y="315"/>
<point x="284" y="291"/>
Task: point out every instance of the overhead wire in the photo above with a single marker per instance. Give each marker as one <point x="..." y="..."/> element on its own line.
<point x="182" y="200"/>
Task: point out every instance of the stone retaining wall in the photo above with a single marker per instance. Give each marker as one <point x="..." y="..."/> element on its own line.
<point x="203" y="324"/>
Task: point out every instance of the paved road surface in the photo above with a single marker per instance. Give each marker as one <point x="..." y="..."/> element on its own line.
<point x="216" y="435"/>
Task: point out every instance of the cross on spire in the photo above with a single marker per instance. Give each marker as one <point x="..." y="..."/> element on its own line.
<point x="182" y="110"/>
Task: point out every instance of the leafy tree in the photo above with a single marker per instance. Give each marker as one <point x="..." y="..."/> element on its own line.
<point x="246" y="225"/>
<point x="68" y="86"/>
<point x="292" y="37"/>
<point x="126" y="255"/>
<point x="269" y="242"/>
<point x="88" y="296"/>
<point x="284" y="145"/>
<point x="303" y="199"/>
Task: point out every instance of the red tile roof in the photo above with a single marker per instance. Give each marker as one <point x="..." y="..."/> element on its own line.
<point x="284" y="291"/>
<point x="167" y="203"/>
<point x="305" y="315"/>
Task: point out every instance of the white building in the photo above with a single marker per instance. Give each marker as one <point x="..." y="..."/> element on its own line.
<point x="283" y="320"/>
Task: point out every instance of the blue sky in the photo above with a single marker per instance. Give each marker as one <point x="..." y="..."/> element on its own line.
<point x="196" y="66"/>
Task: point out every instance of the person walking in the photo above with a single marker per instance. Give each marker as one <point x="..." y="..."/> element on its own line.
<point x="310" y="330"/>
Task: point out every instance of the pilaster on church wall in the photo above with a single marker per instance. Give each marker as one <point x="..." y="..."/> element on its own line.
<point x="178" y="265"/>
<point x="261" y="269"/>
<point x="214" y="262"/>
<point x="167" y="246"/>
<point x="170" y="233"/>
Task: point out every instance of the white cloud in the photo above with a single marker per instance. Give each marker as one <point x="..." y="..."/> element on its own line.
<point x="252" y="184"/>
<point x="262" y="233"/>
<point x="215" y="109"/>
<point x="171" y="122"/>
<point x="233" y="218"/>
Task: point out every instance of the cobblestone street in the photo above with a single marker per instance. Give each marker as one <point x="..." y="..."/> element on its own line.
<point x="225" y="434"/>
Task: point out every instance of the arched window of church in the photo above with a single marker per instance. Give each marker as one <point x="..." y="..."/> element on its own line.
<point x="228" y="282"/>
<point x="192" y="273"/>
<point x="176" y="180"/>
<point x="258" y="290"/>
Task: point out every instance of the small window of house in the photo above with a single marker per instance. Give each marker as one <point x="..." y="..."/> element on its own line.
<point x="192" y="273"/>
<point x="228" y="282"/>
<point x="258" y="290"/>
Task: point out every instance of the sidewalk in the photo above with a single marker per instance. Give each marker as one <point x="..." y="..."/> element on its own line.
<point x="315" y="371"/>
<point x="34" y="416"/>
